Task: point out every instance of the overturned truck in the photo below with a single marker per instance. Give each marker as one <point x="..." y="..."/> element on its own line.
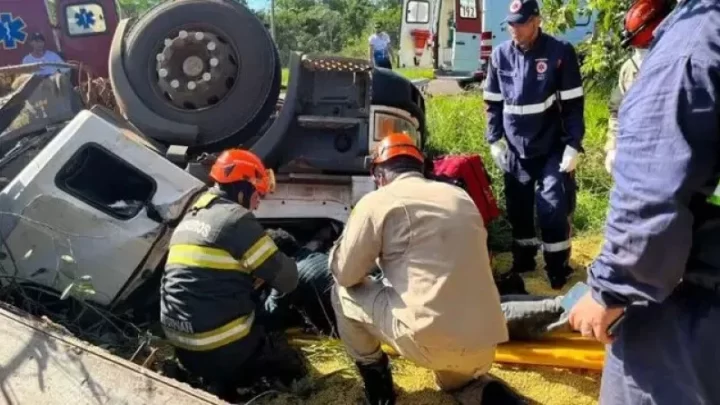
<point x="93" y="200"/>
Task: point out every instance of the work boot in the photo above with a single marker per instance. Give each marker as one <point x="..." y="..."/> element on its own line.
<point x="511" y="284"/>
<point x="523" y="259"/>
<point x="559" y="279"/>
<point x="377" y="377"/>
<point x="558" y="268"/>
<point x="486" y="390"/>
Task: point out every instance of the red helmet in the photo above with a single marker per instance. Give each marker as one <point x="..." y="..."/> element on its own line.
<point x="235" y="165"/>
<point x="395" y="145"/>
<point x="641" y="20"/>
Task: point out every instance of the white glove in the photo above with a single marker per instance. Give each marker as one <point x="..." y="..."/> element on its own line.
<point x="569" y="160"/>
<point x="499" y="153"/>
<point x="609" y="160"/>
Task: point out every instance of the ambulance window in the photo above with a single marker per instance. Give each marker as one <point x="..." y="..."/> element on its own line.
<point x="418" y="12"/>
<point x="106" y="182"/>
<point x="468" y="9"/>
<point x="85" y="19"/>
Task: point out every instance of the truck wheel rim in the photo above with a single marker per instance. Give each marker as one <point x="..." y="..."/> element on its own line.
<point x="196" y="69"/>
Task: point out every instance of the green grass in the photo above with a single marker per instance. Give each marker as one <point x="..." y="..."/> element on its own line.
<point x="457" y="125"/>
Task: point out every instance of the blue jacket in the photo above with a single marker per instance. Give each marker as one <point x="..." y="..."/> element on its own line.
<point x="535" y="98"/>
<point x="664" y="220"/>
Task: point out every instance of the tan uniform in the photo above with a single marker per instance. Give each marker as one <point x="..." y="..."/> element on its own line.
<point x="438" y="305"/>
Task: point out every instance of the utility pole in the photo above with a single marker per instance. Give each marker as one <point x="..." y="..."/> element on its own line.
<point x="272" y="19"/>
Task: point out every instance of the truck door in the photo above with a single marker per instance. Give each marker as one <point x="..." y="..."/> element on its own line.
<point x="468" y="30"/>
<point x="87" y="28"/>
<point x="415" y="34"/>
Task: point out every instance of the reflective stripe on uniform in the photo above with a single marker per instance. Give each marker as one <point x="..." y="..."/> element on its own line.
<point x="259" y="253"/>
<point x="528" y="242"/>
<point x="226" y="334"/>
<point x="556" y="247"/>
<point x="577" y="92"/>
<point x="529" y="109"/>
<point x="204" y="200"/>
<point x="490" y="96"/>
<point x="204" y="257"/>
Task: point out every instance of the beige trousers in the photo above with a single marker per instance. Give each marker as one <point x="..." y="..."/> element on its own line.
<point x="365" y="320"/>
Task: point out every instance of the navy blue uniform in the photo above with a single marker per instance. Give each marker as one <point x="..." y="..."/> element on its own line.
<point x="662" y="238"/>
<point x="535" y="101"/>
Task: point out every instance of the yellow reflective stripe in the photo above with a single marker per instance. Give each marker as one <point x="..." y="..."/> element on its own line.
<point x="204" y="200"/>
<point x="226" y="334"/>
<point x="202" y="256"/>
<point x="259" y="253"/>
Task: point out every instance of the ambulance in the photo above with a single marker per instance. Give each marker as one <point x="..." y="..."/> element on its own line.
<point x="456" y="37"/>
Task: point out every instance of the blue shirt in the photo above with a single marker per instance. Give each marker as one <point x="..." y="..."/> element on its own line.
<point x="661" y="229"/>
<point x="535" y="98"/>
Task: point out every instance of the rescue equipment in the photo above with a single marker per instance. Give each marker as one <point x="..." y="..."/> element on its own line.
<point x="235" y="165"/>
<point x="420" y="41"/>
<point x="473" y="177"/>
<point x="641" y="20"/>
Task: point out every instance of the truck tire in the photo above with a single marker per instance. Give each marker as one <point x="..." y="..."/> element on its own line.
<point x="242" y="68"/>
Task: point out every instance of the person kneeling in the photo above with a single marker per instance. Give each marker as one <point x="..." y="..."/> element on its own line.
<point x="437" y="304"/>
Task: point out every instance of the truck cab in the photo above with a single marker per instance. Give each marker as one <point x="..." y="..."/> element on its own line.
<point x="79" y="30"/>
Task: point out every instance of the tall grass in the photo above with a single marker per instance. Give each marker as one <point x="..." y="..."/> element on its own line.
<point x="457" y="125"/>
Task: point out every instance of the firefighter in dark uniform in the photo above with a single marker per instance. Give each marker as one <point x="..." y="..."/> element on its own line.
<point x="535" y="102"/>
<point x="219" y="254"/>
<point x="660" y="262"/>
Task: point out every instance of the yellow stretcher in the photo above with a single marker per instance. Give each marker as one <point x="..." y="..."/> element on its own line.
<point x="566" y="350"/>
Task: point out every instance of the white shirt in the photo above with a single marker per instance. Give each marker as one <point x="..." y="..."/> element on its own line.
<point x="379" y="42"/>
<point x="48" y="57"/>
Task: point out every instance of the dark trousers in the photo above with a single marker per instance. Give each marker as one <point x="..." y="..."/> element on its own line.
<point x="666" y="353"/>
<point x="537" y="184"/>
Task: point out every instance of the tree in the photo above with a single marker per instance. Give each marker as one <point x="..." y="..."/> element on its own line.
<point x="603" y="53"/>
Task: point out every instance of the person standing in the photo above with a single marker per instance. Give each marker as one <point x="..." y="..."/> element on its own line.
<point x="658" y="273"/>
<point x="535" y="128"/>
<point x="380" y="48"/>
<point x="641" y="20"/>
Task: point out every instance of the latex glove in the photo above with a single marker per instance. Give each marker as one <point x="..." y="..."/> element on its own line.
<point x="569" y="160"/>
<point x="609" y="160"/>
<point x="499" y="153"/>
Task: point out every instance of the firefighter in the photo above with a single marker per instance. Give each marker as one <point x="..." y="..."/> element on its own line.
<point x="218" y="253"/>
<point x="640" y="22"/>
<point x="437" y="304"/>
<point x="658" y="273"/>
<point x="534" y="99"/>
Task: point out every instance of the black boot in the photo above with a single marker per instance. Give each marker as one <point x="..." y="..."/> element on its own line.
<point x="558" y="268"/>
<point x="377" y="377"/>
<point x="523" y="258"/>
<point x="510" y="284"/>
<point x="487" y="390"/>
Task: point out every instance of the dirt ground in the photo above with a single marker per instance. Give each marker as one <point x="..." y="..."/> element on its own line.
<point x="335" y="381"/>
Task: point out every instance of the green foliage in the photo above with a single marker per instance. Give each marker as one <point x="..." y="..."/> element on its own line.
<point x="602" y="51"/>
